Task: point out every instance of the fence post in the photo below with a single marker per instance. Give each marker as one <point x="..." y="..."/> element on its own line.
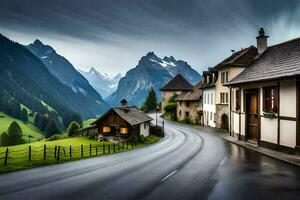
<point x="55" y="151"/>
<point x="114" y="147"/>
<point x="29" y="153"/>
<point x="45" y="151"/>
<point x="126" y="144"/>
<point x="109" y="149"/>
<point x="103" y="146"/>
<point x="64" y="151"/>
<point x="163" y="128"/>
<point x="6" y="157"/>
<point x="58" y="152"/>
<point x="90" y="150"/>
<point x="70" y="151"/>
<point x="82" y="151"/>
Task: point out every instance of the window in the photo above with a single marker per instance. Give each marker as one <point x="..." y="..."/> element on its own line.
<point x="211" y="115"/>
<point x="187" y="104"/>
<point x="211" y="98"/>
<point x="187" y="114"/>
<point x="237" y="100"/>
<point x="207" y="98"/>
<point x="224" y="77"/>
<point x="179" y="112"/>
<point x="106" y="129"/>
<point x="271" y="99"/>
<point x="180" y="102"/>
<point x="145" y="125"/>
<point x="224" y="97"/>
<point x="123" y="130"/>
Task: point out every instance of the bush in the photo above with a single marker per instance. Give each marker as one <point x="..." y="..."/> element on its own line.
<point x="73" y="127"/>
<point x="56" y="137"/>
<point x="170" y="107"/>
<point x="142" y="139"/>
<point x="187" y="120"/>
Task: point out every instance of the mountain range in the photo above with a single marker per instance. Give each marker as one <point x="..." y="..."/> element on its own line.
<point x="103" y="83"/>
<point x="151" y="71"/>
<point x="65" y="72"/>
<point x="23" y="76"/>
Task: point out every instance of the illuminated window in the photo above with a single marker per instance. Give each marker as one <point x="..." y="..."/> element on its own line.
<point x="123" y="130"/>
<point x="106" y="129"/>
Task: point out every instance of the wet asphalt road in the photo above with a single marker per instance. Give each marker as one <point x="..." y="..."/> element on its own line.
<point x="189" y="163"/>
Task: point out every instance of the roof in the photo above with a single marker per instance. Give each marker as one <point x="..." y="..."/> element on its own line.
<point x="277" y="62"/>
<point x="178" y="83"/>
<point x="131" y="114"/>
<point x="193" y="95"/>
<point x="244" y="57"/>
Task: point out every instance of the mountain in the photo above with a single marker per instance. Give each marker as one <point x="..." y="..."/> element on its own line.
<point x="65" y="72"/>
<point x="24" y="77"/>
<point x="104" y="84"/>
<point x="151" y="71"/>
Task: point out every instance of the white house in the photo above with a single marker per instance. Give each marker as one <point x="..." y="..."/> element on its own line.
<point x="208" y="97"/>
<point x="266" y="97"/>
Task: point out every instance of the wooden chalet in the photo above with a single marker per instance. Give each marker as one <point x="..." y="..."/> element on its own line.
<point x="125" y="121"/>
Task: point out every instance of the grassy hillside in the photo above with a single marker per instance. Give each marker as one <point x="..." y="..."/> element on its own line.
<point x="28" y="128"/>
<point x="87" y="122"/>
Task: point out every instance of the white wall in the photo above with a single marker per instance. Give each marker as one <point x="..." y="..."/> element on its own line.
<point x="209" y="107"/>
<point x="288" y="133"/>
<point x="288" y="98"/>
<point x="144" y="131"/>
<point x="269" y="130"/>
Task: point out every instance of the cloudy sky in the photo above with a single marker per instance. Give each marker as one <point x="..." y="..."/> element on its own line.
<point x="111" y="35"/>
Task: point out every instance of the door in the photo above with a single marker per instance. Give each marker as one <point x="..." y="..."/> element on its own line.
<point x="252" y="115"/>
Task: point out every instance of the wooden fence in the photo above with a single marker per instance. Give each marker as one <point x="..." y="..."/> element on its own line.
<point x="60" y="153"/>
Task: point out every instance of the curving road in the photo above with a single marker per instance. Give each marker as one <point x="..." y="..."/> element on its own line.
<point x="189" y="163"/>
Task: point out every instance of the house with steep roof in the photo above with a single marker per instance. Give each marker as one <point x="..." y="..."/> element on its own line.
<point x="174" y="88"/>
<point x="266" y="97"/>
<point x="125" y="122"/>
<point x="189" y="105"/>
<point x="227" y="70"/>
<point x="208" y="88"/>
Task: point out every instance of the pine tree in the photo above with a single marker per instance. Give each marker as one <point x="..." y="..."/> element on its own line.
<point x="72" y="128"/>
<point x="15" y="134"/>
<point x="51" y="128"/>
<point x="4" y="141"/>
<point x="24" y="115"/>
<point x="36" y="120"/>
<point x="150" y="102"/>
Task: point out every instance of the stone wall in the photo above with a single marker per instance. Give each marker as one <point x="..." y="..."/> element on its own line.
<point x="192" y="109"/>
<point x="221" y="109"/>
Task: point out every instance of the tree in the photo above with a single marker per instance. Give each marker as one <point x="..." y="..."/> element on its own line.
<point x="36" y="119"/>
<point x="15" y="135"/>
<point x="150" y="102"/>
<point x="51" y="128"/>
<point x="43" y="121"/>
<point x="4" y="139"/>
<point x="24" y="115"/>
<point x="72" y="128"/>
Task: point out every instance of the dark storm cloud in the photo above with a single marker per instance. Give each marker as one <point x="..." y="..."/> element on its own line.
<point x="190" y="29"/>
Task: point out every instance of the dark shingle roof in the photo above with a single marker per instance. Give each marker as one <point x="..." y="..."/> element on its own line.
<point x="130" y="114"/>
<point x="240" y="58"/>
<point x="278" y="61"/>
<point x="178" y="83"/>
<point x="193" y="95"/>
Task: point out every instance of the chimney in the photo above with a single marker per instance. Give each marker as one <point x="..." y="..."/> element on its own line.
<point x="123" y="103"/>
<point x="262" y="41"/>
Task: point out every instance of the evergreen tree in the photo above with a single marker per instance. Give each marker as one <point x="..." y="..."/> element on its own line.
<point x="150" y="102"/>
<point x="36" y="120"/>
<point x="51" y="128"/>
<point x="43" y="121"/>
<point x="4" y="139"/>
<point x="15" y="134"/>
<point x="72" y="128"/>
<point x="24" y="115"/>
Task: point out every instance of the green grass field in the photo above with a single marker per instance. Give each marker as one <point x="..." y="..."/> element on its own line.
<point x="27" y="128"/>
<point x="18" y="156"/>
